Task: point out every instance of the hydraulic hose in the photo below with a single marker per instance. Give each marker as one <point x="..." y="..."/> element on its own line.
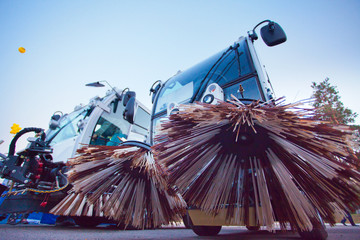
<point x="38" y="190"/>
<point x="2" y="156"/>
<point x="22" y="132"/>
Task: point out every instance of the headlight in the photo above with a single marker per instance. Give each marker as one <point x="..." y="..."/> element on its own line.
<point x="209" y="98"/>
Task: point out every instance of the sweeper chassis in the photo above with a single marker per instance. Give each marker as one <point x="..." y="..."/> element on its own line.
<point x="205" y="225"/>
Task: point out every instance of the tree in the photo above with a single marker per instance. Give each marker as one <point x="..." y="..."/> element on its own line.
<point x="328" y="106"/>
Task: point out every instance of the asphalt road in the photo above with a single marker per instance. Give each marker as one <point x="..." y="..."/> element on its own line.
<point x="42" y="232"/>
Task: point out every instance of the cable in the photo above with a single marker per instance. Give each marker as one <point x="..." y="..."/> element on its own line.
<point x="37" y="190"/>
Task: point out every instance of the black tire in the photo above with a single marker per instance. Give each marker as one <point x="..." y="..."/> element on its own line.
<point x="203" y="230"/>
<point x="318" y="233"/>
<point x="253" y="228"/>
<point x="87" y="222"/>
<point x="186" y="221"/>
<point x="206" y="230"/>
<point x="64" y="221"/>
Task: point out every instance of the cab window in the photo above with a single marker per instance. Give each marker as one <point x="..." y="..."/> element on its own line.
<point x="246" y="91"/>
<point x="68" y="127"/>
<point x="222" y="68"/>
<point x="141" y="122"/>
<point x="235" y="65"/>
<point x="111" y="128"/>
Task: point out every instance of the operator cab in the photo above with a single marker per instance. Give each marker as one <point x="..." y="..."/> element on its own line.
<point x="234" y="71"/>
<point x="229" y="72"/>
<point x="101" y="122"/>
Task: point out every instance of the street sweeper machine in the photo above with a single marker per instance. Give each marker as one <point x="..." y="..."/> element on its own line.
<point x="216" y="194"/>
<point x="36" y="175"/>
<point x="221" y="150"/>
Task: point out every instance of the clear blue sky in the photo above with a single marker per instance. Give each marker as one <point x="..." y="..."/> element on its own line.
<point x="133" y="43"/>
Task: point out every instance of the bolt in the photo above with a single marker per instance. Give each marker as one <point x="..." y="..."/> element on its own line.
<point x="26" y="181"/>
<point x="13" y="171"/>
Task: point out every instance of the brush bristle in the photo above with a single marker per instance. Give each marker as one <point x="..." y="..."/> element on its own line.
<point x="121" y="183"/>
<point x="274" y="157"/>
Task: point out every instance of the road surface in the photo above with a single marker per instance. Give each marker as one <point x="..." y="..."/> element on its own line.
<point x="42" y="232"/>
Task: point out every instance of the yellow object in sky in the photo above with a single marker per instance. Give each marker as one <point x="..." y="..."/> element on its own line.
<point x="22" y="50"/>
<point x="15" y="128"/>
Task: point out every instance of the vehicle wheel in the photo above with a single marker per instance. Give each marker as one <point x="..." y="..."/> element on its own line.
<point x="87" y="222"/>
<point x="206" y="230"/>
<point x="64" y="221"/>
<point x="318" y="233"/>
<point x="253" y="228"/>
<point x="203" y="230"/>
<point x="186" y="221"/>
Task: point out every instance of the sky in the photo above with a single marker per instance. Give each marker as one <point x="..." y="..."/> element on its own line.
<point x="134" y="43"/>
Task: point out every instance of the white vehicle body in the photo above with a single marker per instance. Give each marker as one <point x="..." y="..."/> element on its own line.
<point x="96" y="124"/>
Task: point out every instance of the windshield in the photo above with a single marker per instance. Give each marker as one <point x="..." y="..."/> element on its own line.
<point x="67" y="127"/>
<point x="246" y="90"/>
<point x="232" y="69"/>
<point x="221" y="68"/>
<point x="181" y="87"/>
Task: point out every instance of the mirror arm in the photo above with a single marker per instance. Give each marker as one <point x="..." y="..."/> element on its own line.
<point x="253" y="35"/>
<point x="269" y="21"/>
<point x="152" y="89"/>
<point x="122" y="94"/>
<point x="99" y="84"/>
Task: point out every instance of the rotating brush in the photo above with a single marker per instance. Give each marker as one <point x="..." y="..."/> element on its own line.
<point x="122" y="183"/>
<point x="273" y="157"/>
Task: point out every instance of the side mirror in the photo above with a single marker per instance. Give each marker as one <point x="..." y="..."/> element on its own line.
<point x="154" y="89"/>
<point x="128" y="96"/>
<point x="129" y="112"/>
<point x="273" y="34"/>
<point x="55" y="121"/>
